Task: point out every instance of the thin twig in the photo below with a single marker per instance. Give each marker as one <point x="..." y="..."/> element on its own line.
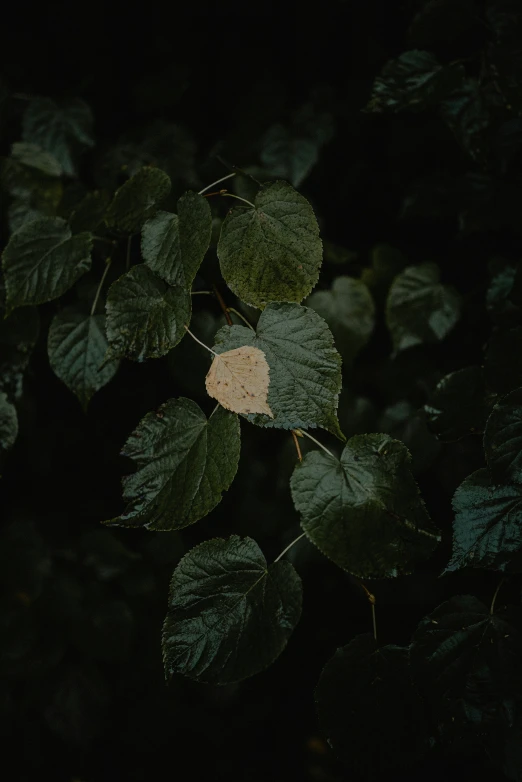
<point x="492" y="608"/>
<point x="231" y="195"/>
<point x="297" y="446"/>
<point x="374" y="622"/>
<point x="202" y="293"/>
<point x="289" y="546"/>
<point x="216" y="192"/>
<point x="228" y="176"/>
<point x="302" y="432"/>
<point x="223" y="305"/>
<point x="199" y="341"/>
<point x="95" y="302"/>
<point x="239" y="315"/>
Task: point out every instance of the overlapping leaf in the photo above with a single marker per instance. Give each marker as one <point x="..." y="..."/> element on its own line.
<point x="184" y="463"/>
<point x="230" y="614"/>
<point x="272" y="252"/>
<point x="459" y="405"/>
<point x="137" y="200"/>
<point x="364" y="511"/>
<point x="77" y="346"/>
<point x="145" y="316"/>
<point x="174" y="245"/>
<point x="42" y="260"/>
<point x="503" y="439"/>
<point x="305" y="368"/>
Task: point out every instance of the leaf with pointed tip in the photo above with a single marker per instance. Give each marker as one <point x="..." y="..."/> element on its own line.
<point x="486" y="528"/>
<point x="8" y="423"/>
<point x="239" y="380"/>
<point x="349" y="310"/>
<point x="145" y="316"/>
<point x="419" y="308"/>
<point x="366" y="704"/>
<point x="230" y="614"/>
<point x="305" y="368"/>
<point x="503" y="439"/>
<point x="174" y="245"/>
<point x="137" y="200"/>
<point x="272" y="252"/>
<point x="77" y="346"/>
<point x="42" y="260"/>
<point x="459" y="405"/>
<point x="364" y="511"/>
<point x="184" y="464"/>
<point x="64" y="131"/>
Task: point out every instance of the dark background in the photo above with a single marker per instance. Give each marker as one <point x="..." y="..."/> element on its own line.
<point x="84" y="696"/>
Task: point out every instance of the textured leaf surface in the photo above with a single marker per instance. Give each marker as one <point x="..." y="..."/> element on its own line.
<point x="419" y="308"/>
<point x="459" y="405"/>
<point x="8" y="423"/>
<point x="366" y="705"/>
<point x="239" y="380"/>
<point x="272" y="252"/>
<point x="174" y="245"/>
<point x="230" y="614"/>
<point x="63" y="131"/>
<point x="305" y="368"/>
<point x="77" y="346"/>
<point x="42" y="260"/>
<point x="90" y="212"/>
<point x="414" y="80"/>
<point x="349" y="310"/>
<point x="466" y="114"/>
<point x="503" y="439"/>
<point x="145" y="316"/>
<point x="364" y="511"/>
<point x="184" y="463"/>
<point x="137" y="200"/>
<point x="488" y="520"/>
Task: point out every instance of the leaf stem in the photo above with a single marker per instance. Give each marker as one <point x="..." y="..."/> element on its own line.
<point x="95" y="302"/>
<point x="492" y="608"/>
<point x="231" y="195"/>
<point x="238" y="170"/>
<point x="374" y="622"/>
<point x="302" y="432"/>
<point x="228" y="176"/>
<point x="297" y="446"/>
<point x="289" y="546"/>
<point x="201" y="293"/>
<point x="127" y="256"/>
<point x="104" y="239"/>
<point x="239" y="315"/>
<point x="223" y="305"/>
<point x="199" y="341"/>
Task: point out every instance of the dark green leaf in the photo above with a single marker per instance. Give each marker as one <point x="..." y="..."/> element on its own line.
<point x="503" y="311"/>
<point x="137" y="200"/>
<point x="459" y="405"/>
<point x="230" y="614"/>
<point x="305" y="368"/>
<point x="145" y="316"/>
<point x="63" y="131"/>
<point x="291" y="158"/>
<point x="414" y="80"/>
<point x="404" y="422"/>
<point x="174" y="245"/>
<point x="503" y="439"/>
<point x="368" y="708"/>
<point x="387" y="262"/>
<point x="33" y="156"/>
<point x="18" y="335"/>
<point x="8" y="423"/>
<point x="89" y="213"/>
<point x="184" y="464"/>
<point x="77" y="346"/>
<point x="465" y="113"/>
<point x="364" y="511"/>
<point x="77" y="710"/>
<point x="272" y="252"/>
<point x="43" y="260"/>
<point x="105" y="554"/>
<point x="486" y="529"/>
<point x="465" y="660"/>
<point x="419" y="308"/>
<point x="349" y="310"/>
<point x="503" y="364"/>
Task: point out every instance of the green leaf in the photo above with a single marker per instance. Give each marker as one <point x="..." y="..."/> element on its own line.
<point x="43" y="260"/>
<point x="349" y="310"/>
<point x="387" y="262"/>
<point x="90" y="212"/>
<point x="174" y="245"/>
<point x="305" y="368"/>
<point x="18" y="336"/>
<point x="33" y="156"/>
<point x="465" y="660"/>
<point x="145" y="317"/>
<point x="291" y="158"/>
<point x="459" y="405"/>
<point x="230" y="614"/>
<point x="503" y="363"/>
<point x="137" y="200"/>
<point x="77" y="346"/>
<point x="364" y="511"/>
<point x="486" y="529"/>
<point x="8" y="423"/>
<point x="466" y="114"/>
<point x="414" y="80"/>
<point x="64" y="131"/>
<point x="184" y="464"/>
<point x="503" y="439"/>
<point x="272" y="252"/>
<point x="419" y="308"/>
<point x="367" y="706"/>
